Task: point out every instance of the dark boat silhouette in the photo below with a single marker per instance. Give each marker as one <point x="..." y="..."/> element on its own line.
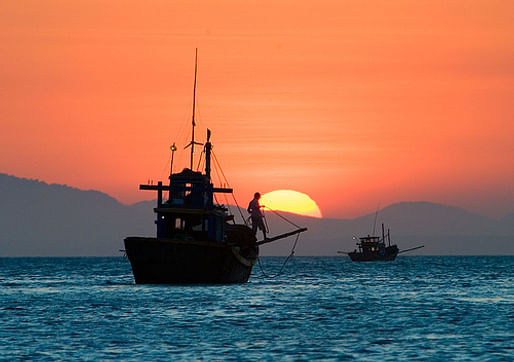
<point x="374" y="248"/>
<point x="197" y="240"/>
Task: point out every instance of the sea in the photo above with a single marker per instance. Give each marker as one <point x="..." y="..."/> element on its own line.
<point x="316" y="308"/>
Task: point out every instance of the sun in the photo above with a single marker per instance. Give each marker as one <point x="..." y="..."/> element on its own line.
<point x="291" y="201"/>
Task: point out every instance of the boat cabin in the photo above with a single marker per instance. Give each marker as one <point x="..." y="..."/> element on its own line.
<point x="190" y="213"/>
<point x="371" y="243"/>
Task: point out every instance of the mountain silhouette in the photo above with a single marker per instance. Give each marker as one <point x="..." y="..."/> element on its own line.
<point x="40" y="219"/>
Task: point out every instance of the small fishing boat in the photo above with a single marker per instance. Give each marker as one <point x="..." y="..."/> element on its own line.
<point x="374" y="248"/>
<point x="197" y="241"/>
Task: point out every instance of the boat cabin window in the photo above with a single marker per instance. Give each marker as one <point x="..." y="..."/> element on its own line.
<point x="200" y="227"/>
<point x="179" y="224"/>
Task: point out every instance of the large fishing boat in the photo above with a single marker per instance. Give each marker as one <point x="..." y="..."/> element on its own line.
<point x="374" y="248"/>
<point x="197" y="239"/>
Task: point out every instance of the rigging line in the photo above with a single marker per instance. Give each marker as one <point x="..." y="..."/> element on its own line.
<point x="184" y="120"/>
<point x="221" y="185"/>
<point x="166" y="166"/>
<point x="228" y="184"/>
<point x="217" y="174"/>
<point x="200" y="159"/>
<point x="181" y="135"/>
<point x="202" y="166"/>
<point x="239" y="209"/>
<point x="214" y="194"/>
<point x="285" y="261"/>
<point x="221" y="169"/>
<point x="283" y="217"/>
<point x="216" y="171"/>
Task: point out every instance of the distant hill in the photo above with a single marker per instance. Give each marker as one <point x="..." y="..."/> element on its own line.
<point x="40" y="219"/>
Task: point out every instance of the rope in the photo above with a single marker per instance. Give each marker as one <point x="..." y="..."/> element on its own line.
<point x="283" y="265"/>
<point x="283" y="217"/>
<point x="292" y="249"/>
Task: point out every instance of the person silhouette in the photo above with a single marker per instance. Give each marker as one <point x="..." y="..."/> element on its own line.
<point x="254" y="208"/>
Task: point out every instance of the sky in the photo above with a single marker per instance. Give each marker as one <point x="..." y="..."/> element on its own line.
<point x="358" y="104"/>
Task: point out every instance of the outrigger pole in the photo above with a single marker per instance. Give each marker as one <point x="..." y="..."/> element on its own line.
<point x="417" y="247"/>
<point x="193" y="143"/>
<point x="281" y="236"/>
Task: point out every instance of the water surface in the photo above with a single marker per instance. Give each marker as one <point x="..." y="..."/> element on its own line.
<point x="319" y="307"/>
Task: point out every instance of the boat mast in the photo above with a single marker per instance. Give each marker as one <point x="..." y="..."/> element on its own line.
<point x="375" y="222"/>
<point x="208" y="148"/>
<point x="193" y="143"/>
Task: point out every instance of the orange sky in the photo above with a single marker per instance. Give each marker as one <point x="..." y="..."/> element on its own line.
<point x="355" y="103"/>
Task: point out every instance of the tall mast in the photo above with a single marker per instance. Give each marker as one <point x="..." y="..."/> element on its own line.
<point x="375" y="223"/>
<point x="193" y="143"/>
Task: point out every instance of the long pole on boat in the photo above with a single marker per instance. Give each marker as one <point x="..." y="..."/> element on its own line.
<point x="375" y="222"/>
<point x="194" y="108"/>
<point x="193" y="143"/>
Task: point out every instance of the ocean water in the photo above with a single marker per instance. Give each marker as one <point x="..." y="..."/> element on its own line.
<point x="435" y="308"/>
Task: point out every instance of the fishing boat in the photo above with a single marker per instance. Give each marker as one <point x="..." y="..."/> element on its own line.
<point x="374" y="248"/>
<point x="197" y="240"/>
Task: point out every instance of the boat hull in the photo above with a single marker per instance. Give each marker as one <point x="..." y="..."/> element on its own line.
<point x="389" y="254"/>
<point x="168" y="261"/>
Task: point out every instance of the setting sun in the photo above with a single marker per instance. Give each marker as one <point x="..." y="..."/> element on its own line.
<point x="291" y="201"/>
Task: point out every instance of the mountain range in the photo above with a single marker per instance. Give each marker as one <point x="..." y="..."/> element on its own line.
<point x="40" y="219"/>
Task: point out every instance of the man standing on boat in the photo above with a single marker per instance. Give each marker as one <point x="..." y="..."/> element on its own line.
<point x="254" y="208"/>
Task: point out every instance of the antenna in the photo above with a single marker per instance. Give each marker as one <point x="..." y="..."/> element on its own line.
<point x="173" y="148"/>
<point x="193" y="143"/>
